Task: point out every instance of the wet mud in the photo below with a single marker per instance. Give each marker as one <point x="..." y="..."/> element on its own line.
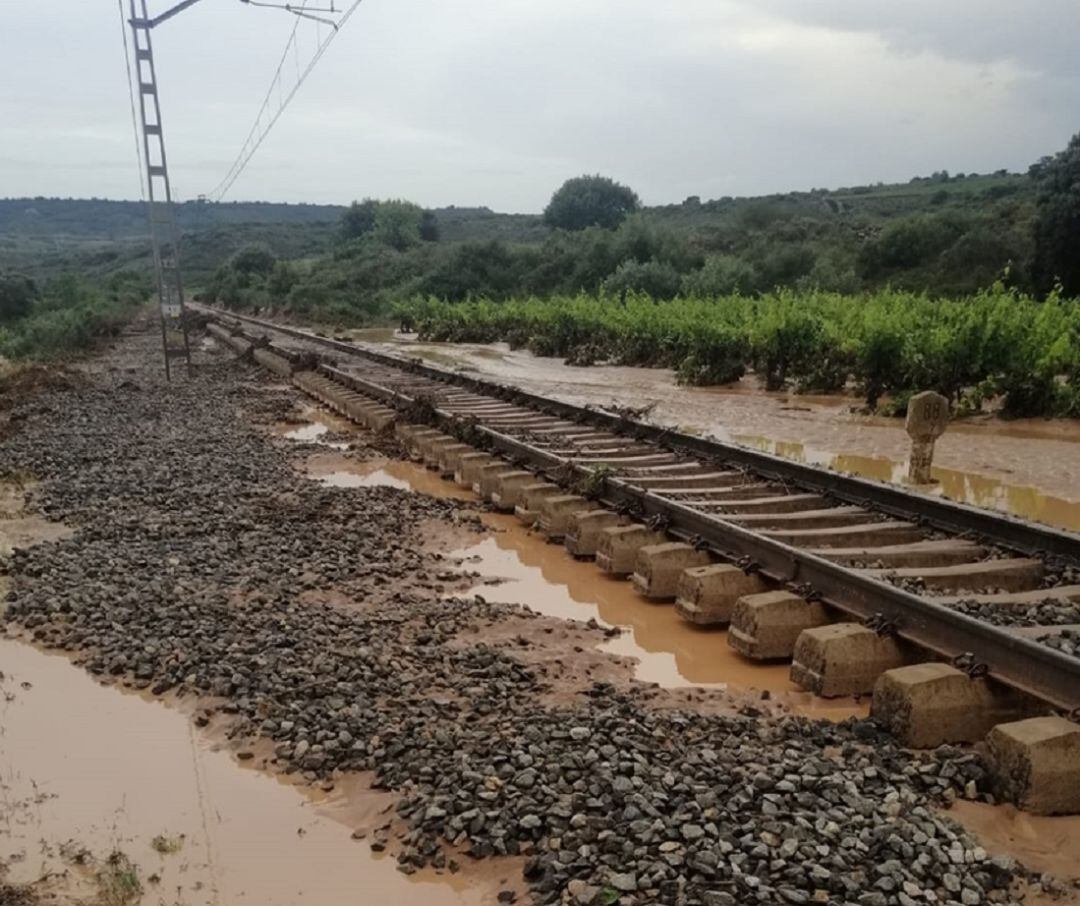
<point x="20" y="527"/>
<point x="1028" y="467"/>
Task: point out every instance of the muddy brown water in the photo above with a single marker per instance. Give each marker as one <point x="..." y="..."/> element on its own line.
<point x="108" y="770"/>
<point x="969" y="487"/>
<point x="19" y="528"/>
<point x="668" y="650"/>
<point x="1044" y="844"/>
<point x="1028" y="467"/>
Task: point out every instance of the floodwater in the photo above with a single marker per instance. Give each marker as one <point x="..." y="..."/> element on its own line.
<point x="967" y="487"/>
<point x="19" y="528"/>
<point x="1044" y="844"/>
<point x="1028" y="467"/>
<point x="342" y="471"/>
<point x="312" y="425"/>
<point x="109" y="771"/>
<point x="668" y="650"/>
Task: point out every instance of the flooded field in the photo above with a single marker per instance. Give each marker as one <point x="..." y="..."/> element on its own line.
<point x="1028" y="467"/>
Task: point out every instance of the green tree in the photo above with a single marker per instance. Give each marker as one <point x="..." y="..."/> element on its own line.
<point x="587" y="201"/>
<point x="282" y="279"/>
<point x="1057" y="219"/>
<point x="429" y="227"/>
<point x="17" y="294"/>
<point x="397" y="224"/>
<point x="254" y="260"/>
<point x="359" y="218"/>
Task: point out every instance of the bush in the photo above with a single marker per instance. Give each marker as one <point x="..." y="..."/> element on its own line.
<point x="253" y="260"/>
<point x="722" y="275"/>
<point x="653" y="278"/>
<point x="17" y="294"/>
<point x="70" y="314"/>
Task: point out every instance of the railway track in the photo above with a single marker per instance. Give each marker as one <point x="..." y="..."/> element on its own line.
<point x="849" y="579"/>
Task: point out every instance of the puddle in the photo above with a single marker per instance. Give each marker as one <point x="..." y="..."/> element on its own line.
<point x="108" y="770"/>
<point x="373" y="334"/>
<point x="669" y="651"/>
<point x="17" y="529"/>
<point x="965" y="487"/>
<point x="341" y="471"/>
<point x="309" y="432"/>
<point x="314" y="424"/>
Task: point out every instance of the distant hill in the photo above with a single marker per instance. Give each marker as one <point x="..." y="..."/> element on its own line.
<point x="99" y="218"/>
<point x="979" y="222"/>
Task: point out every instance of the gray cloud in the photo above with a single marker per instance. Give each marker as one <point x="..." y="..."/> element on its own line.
<point x="471" y="102"/>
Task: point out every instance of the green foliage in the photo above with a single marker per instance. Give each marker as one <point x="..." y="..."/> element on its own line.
<point x="397" y="224"/>
<point x="17" y="294"/>
<point x="586" y="201"/>
<point x="1057" y="221"/>
<point x="807" y="240"/>
<point x="282" y="279"/>
<point x="909" y="243"/>
<point x="70" y="314"/>
<point x="358" y="218"/>
<point x="997" y="344"/>
<point x="470" y="268"/>
<point x="254" y="260"/>
<point x="657" y="279"/>
<point x="722" y="275"/>
<point x="429" y="227"/>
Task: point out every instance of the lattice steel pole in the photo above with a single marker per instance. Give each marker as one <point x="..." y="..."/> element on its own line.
<point x="164" y="236"/>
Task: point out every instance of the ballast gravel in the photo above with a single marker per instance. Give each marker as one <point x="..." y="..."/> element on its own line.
<point x="204" y="565"/>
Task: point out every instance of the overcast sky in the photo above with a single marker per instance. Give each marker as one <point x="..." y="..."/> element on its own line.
<point x="495" y="102"/>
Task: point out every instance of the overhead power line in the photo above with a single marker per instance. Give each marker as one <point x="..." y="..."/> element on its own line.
<point x="284" y="84"/>
<point x="131" y="99"/>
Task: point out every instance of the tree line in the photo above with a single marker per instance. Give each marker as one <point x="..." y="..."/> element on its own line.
<point x="953" y="236"/>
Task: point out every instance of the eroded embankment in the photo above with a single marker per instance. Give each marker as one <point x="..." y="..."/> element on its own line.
<point x="311" y="626"/>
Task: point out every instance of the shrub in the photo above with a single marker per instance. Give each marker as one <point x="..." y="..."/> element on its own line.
<point x="17" y="294"/>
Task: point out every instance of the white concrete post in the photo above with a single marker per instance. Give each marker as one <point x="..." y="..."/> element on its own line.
<point x="927" y="418"/>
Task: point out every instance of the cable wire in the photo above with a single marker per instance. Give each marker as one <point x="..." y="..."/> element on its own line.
<point x="256" y="136"/>
<point x="131" y="98"/>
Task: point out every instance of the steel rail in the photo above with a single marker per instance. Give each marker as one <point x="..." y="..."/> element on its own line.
<point x="1015" y="661"/>
<point x="948" y="515"/>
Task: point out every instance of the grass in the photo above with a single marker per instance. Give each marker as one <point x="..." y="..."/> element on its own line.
<point x="118" y="881"/>
<point x="592" y="485"/>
